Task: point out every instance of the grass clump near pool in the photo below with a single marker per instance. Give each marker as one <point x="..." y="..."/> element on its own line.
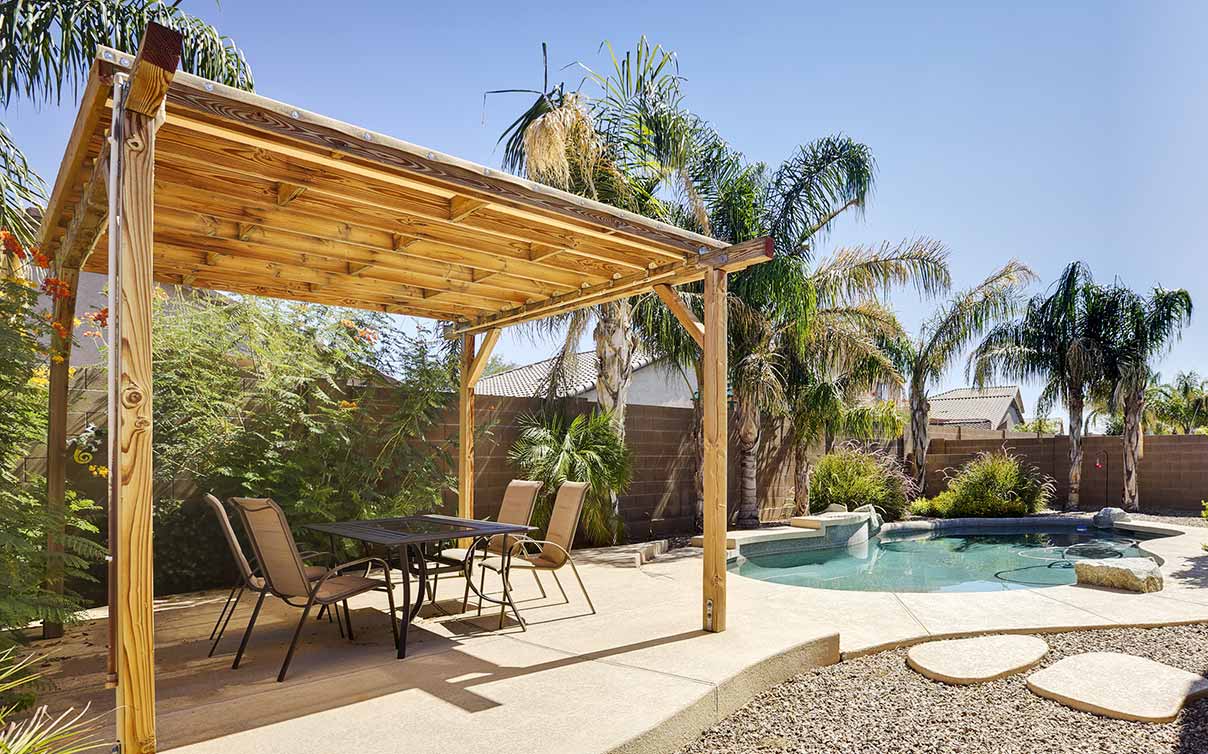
<point x="992" y="485"/>
<point x="852" y="476"/>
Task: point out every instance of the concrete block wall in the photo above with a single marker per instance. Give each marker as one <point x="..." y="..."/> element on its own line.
<point x="1172" y="475"/>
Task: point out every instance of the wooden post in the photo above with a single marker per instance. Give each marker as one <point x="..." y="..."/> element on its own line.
<point x="714" y="408"/>
<point x="465" y="432"/>
<point x="472" y="366"/>
<point x="56" y="439"/>
<point x="131" y="222"/>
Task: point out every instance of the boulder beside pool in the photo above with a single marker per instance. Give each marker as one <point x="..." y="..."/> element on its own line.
<point x="1131" y="574"/>
<point x="1106" y="518"/>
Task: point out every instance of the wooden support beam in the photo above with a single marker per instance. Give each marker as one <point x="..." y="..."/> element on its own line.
<point x="461" y="207"/>
<point x="714" y="412"/>
<point x="465" y="433"/>
<point x="682" y="313"/>
<point x="736" y="257"/>
<point x="88" y="219"/>
<point x="130" y="294"/>
<point x="56" y="440"/>
<point x="287" y="192"/>
<point x="153" y="69"/>
<point x="483" y="356"/>
<point x="739" y="256"/>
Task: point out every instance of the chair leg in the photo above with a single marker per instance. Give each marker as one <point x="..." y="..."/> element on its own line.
<point x="587" y="596"/>
<point x="348" y="621"/>
<point x="222" y="630"/>
<point x="247" y="632"/>
<point x="393" y="614"/>
<point x="289" y="655"/>
<point x="482" y="584"/>
<point x="230" y="595"/>
<point x="558" y="581"/>
<point x="539" y="585"/>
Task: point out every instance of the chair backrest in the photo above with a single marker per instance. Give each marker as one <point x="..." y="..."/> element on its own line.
<point x="564" y="520"/>
<point x="224" y="523"/>
<point x="274" y="545"/>
<point x="518" y="501"/>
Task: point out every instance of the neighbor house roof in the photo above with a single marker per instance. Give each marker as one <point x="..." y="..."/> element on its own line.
<point x="533" y="379"/>
<point x="966" y="405"/>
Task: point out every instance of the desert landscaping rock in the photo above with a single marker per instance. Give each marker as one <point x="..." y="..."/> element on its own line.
<point x="1107" y="517"/>
<point x="1119" y="685"/>
<point x="878" y="704"/>
<point x="1131" y="574"/>
<point x="976" y="660"/>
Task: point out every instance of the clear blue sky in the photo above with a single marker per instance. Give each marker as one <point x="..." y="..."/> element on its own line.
<point x="1045" y="131"/>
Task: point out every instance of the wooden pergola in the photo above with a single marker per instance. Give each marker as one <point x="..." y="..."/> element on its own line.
<point x="187" y="181"/>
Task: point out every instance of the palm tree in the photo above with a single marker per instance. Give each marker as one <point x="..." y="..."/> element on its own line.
<point x="620" y="148"/>
<point x="1145" y="327"/>
<point x="1184" y="402"/>
<point x="925" y="359"/>
<point x="47" y="47"/>
<point x="1059" y="341"/>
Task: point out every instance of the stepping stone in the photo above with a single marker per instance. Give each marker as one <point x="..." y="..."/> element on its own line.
<point x="983" y="658"/>
<point x="1119" y="685"/>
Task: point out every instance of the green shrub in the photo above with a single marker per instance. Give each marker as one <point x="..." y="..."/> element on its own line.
<point x="992" y="485"/>
<point x="585" y="449"/>
<point x="852" y="476"/>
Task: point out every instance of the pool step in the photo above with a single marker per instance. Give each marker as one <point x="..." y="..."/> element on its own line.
<point x="747" y="536"/>
<point x="822" y="520"/>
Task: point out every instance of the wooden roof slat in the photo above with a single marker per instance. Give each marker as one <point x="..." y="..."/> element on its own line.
<point x="257" y="162"/>
<point x="205" y="185"/>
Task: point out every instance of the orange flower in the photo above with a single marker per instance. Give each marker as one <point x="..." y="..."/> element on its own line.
<point x="40" y="259"/>
<point x="100" y="317"/>
<point x="56" y="288"/>
<point x="11" y="244"/>
<point x="63" y="331"/>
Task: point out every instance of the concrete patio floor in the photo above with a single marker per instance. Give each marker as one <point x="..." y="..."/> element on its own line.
<point x="639" y="676"/>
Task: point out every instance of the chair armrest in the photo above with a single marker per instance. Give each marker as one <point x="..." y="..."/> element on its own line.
<point x="335" y="570"/>
<point x="543" y="543"/>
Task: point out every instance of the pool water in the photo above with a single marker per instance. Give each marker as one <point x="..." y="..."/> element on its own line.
<point x="973" y="560"/>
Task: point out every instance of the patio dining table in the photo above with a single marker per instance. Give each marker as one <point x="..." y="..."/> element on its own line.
<point x="415" y="540"/>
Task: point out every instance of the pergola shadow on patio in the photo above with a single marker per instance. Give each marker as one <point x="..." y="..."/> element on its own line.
<point x="191" y="182"/>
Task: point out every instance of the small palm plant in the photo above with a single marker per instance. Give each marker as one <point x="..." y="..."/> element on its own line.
<point x="42" y="732"/>
<point x="585" y="449"/>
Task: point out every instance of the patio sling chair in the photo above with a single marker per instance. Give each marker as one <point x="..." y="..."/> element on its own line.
<point x="285" y="575"/>
<point x="248" y="578"/>
<point x="552" y="553"/>
<point x="516" y="508"/>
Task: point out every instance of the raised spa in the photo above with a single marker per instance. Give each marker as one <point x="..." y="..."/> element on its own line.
<point x="973" y="559"/>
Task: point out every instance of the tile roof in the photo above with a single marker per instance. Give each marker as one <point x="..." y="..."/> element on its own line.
<point x="968" y="405"/>
<point x="532" y="379"/>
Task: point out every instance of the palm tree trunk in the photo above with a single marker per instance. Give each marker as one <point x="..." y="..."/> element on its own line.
<point x="1076" y="450"/>
<point x="801" y="478"/>
<point x="919" y="410"/>
<point x="748" y="449"/>
<point x="615" y="344"/>
<point x="1134" y="404"/>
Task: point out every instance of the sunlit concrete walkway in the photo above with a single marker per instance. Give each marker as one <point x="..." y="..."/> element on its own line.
<point x="638" y="676"/>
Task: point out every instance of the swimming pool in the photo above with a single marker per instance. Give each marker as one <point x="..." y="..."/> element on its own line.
<point x="975" y="559"/>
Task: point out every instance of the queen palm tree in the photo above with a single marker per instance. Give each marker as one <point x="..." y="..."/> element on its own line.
<point x="1058" y="340"/>
<point x="46" y="49"/>
<point x="1145" y="327"/>
<point x="618" y="147"/>
<point x="924" y="360"/>
<point x="1184" y="402"/>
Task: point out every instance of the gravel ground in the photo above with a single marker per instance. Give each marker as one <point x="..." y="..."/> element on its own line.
<point x="1178" y="518"/>
<point x="878" y="705"/>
